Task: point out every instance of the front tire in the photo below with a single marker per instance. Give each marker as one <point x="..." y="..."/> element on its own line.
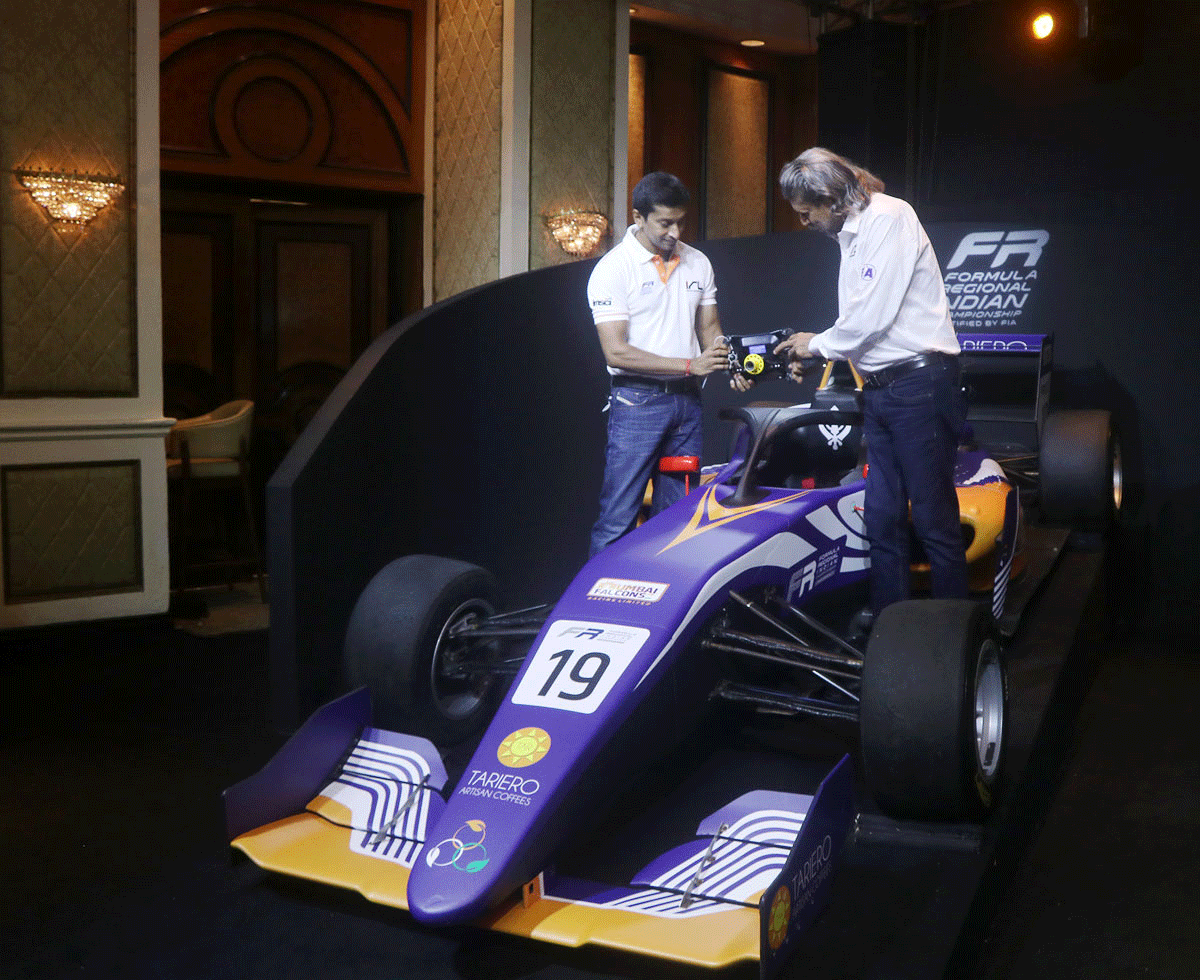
<point x="932" y="714"/>
<point x="399" y="644"/>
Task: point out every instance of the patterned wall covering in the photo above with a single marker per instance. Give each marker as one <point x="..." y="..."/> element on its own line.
<point x="71" y="529"/>
<point x="66" y="303"/>
<point x="467" y="145"/>
<point x="571" y="117"/>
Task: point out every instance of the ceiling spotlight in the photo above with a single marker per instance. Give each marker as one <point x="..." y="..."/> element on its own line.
<point x="1052" y="25"/>
<point x="752" y="43"/>
<point x="1042" y="25"/>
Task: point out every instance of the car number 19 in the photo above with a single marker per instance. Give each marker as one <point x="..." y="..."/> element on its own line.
<point x="577" y="664"/>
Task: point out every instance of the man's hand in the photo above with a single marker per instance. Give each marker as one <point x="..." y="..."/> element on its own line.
<point x="797" y="350"/>
<point x="739" y="381"/>
<point x="716" y="358"/>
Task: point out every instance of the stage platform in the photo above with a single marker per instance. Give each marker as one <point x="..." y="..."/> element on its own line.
<point x="118" y="867"/>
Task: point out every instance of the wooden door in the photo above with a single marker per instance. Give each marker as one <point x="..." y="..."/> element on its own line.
<point x="270" y="301"/>
<point x="256" y="292"/>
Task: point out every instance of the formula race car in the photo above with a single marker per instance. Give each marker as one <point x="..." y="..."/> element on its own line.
<point x="724" y="601"/>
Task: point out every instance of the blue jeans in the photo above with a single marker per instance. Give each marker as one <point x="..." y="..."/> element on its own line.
<point x="643" y="425"/>
<point x="912" y="429"/>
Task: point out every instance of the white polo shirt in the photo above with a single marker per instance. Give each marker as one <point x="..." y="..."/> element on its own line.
<point x="891" y="299"/>
<point x="627" y="284"/>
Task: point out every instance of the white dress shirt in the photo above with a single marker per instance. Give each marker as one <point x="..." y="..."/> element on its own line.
<point x="891" y="299"/>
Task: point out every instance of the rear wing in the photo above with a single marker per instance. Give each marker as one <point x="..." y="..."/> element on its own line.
<point x="1007" y="377"/>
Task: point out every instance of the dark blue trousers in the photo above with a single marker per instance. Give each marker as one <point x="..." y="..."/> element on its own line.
<point x="912" y="429"/>
<point x="643" y="426"/>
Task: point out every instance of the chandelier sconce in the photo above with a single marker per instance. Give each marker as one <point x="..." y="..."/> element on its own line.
<point x="577" y="232"/>
<point x="71" y="200"/>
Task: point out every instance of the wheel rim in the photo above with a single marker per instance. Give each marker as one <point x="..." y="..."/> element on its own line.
<point x="989" y="710"/>
<point x="1118" y="478"/>
<point x="456" y="698"/>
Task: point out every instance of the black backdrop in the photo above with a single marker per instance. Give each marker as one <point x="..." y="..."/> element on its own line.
<point x="474" y="429"/>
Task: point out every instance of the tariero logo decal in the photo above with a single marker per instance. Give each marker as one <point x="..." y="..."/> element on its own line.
<point x="523" y="748"/>
<point x="777" y="923"/>
<point x="464" y="851"/>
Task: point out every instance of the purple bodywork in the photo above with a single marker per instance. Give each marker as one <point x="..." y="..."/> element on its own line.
<point x="603" y="647"/>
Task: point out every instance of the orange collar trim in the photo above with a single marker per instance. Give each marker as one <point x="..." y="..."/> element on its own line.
<point x="664" y="268"/>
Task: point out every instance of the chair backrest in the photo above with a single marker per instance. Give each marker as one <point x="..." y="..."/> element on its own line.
<point x="223" y="433"/>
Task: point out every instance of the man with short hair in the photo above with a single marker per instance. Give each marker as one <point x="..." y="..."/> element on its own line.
<point x="894" y="326"/>
<point x="654" y="302"/>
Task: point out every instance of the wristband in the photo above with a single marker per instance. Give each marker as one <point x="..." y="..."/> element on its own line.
<point x="687" y="367"/>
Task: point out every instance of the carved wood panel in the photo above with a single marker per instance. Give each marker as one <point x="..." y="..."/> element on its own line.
<point x="315" y="92"/>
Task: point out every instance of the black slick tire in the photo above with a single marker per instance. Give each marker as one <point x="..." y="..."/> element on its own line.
<point x="1079" y="469"/>
<point x="398" y="644"/>
<point x="932" y="713"/>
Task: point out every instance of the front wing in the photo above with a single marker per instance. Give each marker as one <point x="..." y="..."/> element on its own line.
<point x="751" y="881"/>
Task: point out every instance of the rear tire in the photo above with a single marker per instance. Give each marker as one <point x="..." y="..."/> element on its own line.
<point x="934" y="698"/>
<point x="1080" y="473"/>
<point x="398" y="644"/>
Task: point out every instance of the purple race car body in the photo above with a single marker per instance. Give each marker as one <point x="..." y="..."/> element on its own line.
<point x="637" y="645"/>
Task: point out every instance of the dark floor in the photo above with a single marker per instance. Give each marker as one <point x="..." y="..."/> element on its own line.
<point x="117" y="739"/>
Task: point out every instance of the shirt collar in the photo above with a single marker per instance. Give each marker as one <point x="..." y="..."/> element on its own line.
<point x="643" y="254"/>
<point x="850" y="225"/>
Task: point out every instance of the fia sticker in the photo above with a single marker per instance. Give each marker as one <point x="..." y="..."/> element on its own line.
<point x="868" y="273"/>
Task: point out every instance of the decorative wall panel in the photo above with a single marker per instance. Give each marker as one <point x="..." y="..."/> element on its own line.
<point x="310" y="91"/>
<point x="466" y="211"/>
<point x="314" y="297"/>
<point x="571" y="117"/>
<point x="636" y="157"/>
<point x="71" y="530"/>
<point x="735" y="164"/>
<point x="66" y="316"/>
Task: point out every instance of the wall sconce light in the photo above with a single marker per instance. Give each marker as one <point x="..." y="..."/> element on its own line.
<point x="71" y="200"/>
<point x="577" y="232"/>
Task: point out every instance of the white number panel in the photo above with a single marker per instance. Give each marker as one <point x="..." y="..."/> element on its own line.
<point x="577" y="664"/>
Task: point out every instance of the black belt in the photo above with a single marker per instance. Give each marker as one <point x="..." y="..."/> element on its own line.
<point x="894" y="372"/>
<point x="668" y="386"/>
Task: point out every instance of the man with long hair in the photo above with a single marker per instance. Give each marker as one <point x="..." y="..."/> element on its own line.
<point x="894" y="326"/>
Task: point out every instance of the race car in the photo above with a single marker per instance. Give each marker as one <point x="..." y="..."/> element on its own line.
<point x="727" y="598"/>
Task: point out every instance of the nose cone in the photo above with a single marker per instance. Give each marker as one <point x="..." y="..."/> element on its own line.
<point x="451" y="884"/>
<point x="435" y="908"/>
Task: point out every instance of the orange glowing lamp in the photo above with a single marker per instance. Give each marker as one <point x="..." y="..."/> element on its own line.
<point x="1042" y="25"/>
